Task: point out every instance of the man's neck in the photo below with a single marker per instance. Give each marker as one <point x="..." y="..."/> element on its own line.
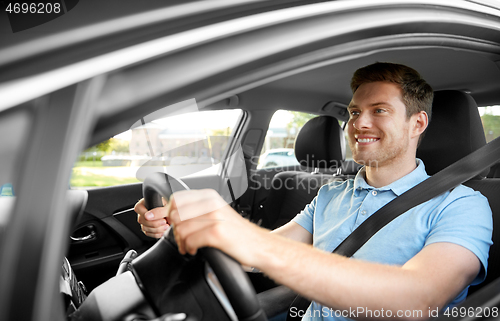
<point x="384" y="175"/>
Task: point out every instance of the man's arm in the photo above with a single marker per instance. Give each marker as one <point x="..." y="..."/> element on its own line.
<point x="154" y="224"/>
<point x="430" y="280"/>
<point x="294" y="231"/>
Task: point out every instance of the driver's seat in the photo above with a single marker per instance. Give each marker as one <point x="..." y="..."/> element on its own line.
<point x="454" y="132"/>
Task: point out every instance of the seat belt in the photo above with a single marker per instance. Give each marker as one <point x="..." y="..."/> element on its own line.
<point x="461" y="171"/>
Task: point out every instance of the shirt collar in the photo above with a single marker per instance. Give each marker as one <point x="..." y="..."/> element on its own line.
<point x="398" y="187"/>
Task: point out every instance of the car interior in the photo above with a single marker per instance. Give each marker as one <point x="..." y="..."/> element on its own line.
<point x="258" y="71"/>
<point x="455" y="114"/>
<point x="455" y="131"/>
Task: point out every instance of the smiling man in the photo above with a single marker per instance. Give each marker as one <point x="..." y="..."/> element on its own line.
<point x="386" y="123"/>
<point x="422" y="261"/>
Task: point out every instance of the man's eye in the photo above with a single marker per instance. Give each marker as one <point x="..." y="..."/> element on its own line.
<point x="354" y="112"/>
<point x="378" y="111"/>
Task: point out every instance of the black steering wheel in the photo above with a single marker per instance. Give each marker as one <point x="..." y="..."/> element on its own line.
<point x="234" y="281"/>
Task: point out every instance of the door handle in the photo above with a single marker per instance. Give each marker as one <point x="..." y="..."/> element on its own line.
<point x="84" y="234"/>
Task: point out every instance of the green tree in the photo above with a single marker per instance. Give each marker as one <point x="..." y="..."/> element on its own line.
<point x="298" y="120"/>
<point x="104" y="146"/>
<point x="112" y="144"/>
<point x="118" y="145"/>
<point x="220" y="132"/>
<point x="292" y="128"/>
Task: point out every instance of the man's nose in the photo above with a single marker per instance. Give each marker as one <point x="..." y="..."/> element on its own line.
<point x="363" y="121"/>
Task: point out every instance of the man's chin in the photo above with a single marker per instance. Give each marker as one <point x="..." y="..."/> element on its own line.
<point x="369" y="162"/>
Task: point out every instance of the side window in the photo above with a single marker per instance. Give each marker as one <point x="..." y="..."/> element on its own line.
<point x="280" y="138"/>
<point x="180" y="145"/>
<point x="490" y="117"/>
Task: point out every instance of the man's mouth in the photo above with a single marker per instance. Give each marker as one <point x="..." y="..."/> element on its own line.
<point x="366" y="140"/>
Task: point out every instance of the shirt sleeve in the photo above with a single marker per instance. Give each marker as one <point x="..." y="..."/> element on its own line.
<point x="306" y="217"/>
<point x="466" y="221"/>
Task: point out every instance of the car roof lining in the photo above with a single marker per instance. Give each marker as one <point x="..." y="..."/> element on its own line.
<point x="476" y="73"/>
<point x="443" y="68"/>
<point x="473" y="71"/>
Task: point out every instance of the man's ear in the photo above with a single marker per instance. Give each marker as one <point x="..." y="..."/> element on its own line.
<point x="420" y="121"/>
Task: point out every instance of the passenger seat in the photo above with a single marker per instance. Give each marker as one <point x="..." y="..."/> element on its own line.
<point x="320" y="146"/>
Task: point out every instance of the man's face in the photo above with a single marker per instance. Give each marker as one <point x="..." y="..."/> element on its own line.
<point x="378" y="129"/>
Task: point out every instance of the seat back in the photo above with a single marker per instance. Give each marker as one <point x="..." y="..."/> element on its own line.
<point x="319" y="145"/>
<point x="454" y="132"/>
<point x="490" y="188"/>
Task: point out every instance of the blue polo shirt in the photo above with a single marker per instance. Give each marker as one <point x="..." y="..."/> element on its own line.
<point x="462" y="216"/>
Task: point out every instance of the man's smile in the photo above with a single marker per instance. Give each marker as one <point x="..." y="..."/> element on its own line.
<point x="366" y="140"/>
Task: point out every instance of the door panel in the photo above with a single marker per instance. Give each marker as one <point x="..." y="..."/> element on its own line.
<point x="108" y="227"/>
<point x="109" y="214"/>
<point x="261" y="186"/>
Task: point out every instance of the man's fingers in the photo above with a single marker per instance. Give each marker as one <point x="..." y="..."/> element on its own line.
<point x="192" y="243"/>
<point x="153" y="235"/>
<point x="155" y="232"/>
<point x="156" y="213"/>
<point x="193" y="203"/>
<point x="173" y="216"/>
<point x="139" y="207"/>
<point x="154" y="223"/>
<point x="185" y="233"/>
<point x="160" y="229"/>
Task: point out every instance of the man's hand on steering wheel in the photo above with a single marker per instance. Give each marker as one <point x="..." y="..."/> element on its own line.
<point x="153" y="223"/>
<point x="202" y="218"/>
<point x="203" y="221"/>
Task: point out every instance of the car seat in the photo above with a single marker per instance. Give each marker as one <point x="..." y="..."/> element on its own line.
<point x="319" y="146"/>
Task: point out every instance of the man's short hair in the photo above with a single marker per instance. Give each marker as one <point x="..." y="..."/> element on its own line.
<point x="417" y="93"/>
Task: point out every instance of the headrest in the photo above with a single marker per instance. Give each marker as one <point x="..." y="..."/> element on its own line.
<point x="320" y="143"/>
<point x="454" y="131"/>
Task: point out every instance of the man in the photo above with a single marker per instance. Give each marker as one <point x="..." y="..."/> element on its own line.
<point x="419" y="263"/>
